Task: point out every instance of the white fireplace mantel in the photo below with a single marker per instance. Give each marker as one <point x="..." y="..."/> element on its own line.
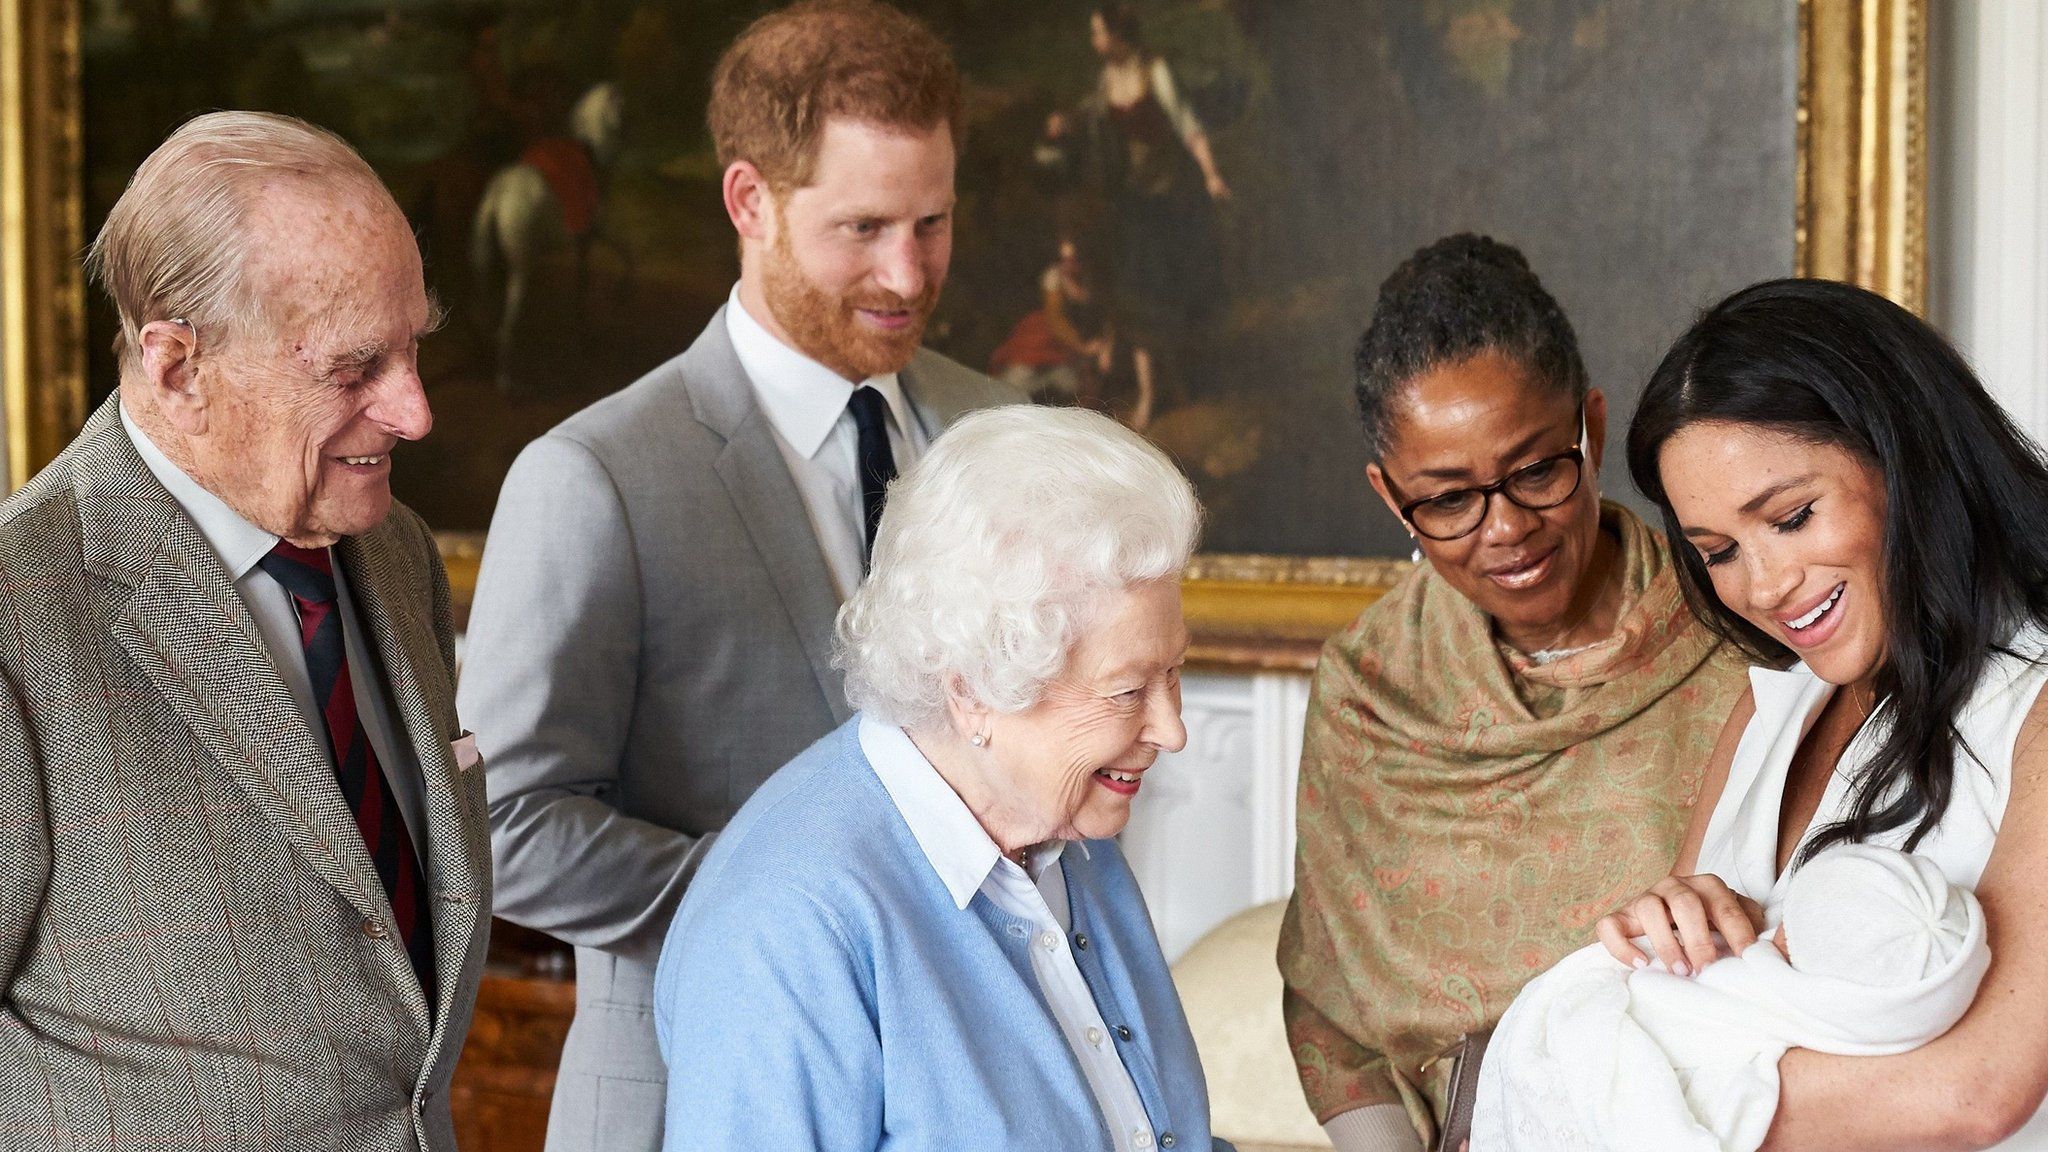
<point x="1212" y="832"/>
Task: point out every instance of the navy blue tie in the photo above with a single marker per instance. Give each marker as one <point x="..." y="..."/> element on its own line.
<point x="877" y="463"/>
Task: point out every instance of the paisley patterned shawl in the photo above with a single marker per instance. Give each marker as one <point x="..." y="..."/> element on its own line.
<point x="1465" y="816"/>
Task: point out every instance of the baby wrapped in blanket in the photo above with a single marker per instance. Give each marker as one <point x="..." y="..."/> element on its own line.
<point x="1874" y="953"/>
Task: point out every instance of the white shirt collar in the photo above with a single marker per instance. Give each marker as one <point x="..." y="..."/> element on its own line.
<point x="802" y="398"/>
<point x="955" y="843"/>
<point x="239" y="543"/>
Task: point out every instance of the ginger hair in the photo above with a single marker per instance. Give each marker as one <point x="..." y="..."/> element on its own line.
<point x="793" y="70"/>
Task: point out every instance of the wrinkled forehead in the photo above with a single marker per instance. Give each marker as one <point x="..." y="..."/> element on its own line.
<point x="1137" y="630"/>
<point x="1457" y="423"/>
<point x="332" y="259"/>
<point x="306" y="210"/>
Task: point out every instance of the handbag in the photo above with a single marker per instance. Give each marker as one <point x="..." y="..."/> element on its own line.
<point x="1462" y="1090"/>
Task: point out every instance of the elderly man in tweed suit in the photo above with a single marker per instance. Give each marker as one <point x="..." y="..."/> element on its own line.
<point x="244" y="873"/>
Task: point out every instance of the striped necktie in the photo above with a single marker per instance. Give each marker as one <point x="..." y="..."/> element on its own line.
<point x="309" y="577"/>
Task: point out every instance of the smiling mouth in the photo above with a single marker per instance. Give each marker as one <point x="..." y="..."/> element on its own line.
<point x="1122" y="783"/>
<point x="888" y="319"/>
<point x="1819" y="612"/>
<point x="1524" y="575"/>
<point x="362" y="461"/>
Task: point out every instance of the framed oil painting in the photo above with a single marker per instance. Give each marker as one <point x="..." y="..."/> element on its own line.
<point x="1177" y="211"/>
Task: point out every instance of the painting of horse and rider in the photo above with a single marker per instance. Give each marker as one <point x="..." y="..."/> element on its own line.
<point x="1175" y="211"/>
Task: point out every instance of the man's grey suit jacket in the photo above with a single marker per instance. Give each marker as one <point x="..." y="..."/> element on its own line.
<point x="651" y="638"/>
<point x="197" y="953"/>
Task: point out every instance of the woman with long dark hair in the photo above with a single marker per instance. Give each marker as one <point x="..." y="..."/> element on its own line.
<point x="1854" y="504"/>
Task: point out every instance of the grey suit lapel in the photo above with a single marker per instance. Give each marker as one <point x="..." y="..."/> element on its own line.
<point x="401" y="630"/>
<point x="936" y="406"/>
<point x="186" y="626"/>
<point x="759" y="483"/>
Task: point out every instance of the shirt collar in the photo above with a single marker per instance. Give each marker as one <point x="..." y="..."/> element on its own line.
<point x="801" y="397"/>
<point x="955" y="843"/>
<point x="239" y="543"/>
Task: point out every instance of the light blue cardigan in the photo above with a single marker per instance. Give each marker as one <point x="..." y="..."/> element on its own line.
<point x="820" y="990"/>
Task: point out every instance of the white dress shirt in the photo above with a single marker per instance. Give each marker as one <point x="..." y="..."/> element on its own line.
<point x="805" y="403"/>
<point x="240" y="546"/>
<point x="968" y="861"/>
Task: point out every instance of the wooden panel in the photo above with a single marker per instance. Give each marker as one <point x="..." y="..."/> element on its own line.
<point x="507" y="1073"/>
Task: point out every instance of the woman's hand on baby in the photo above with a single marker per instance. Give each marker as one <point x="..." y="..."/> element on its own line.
<point x="1679" y="916"/>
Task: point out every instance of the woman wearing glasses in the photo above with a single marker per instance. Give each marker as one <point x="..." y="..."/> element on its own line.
<point x="1508" y="744"/>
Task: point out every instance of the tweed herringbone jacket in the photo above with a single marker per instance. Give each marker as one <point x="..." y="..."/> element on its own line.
<point x="195" y="951"/>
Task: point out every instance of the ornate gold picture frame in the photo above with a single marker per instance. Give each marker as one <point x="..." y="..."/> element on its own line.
<point x="1860" y="215"/>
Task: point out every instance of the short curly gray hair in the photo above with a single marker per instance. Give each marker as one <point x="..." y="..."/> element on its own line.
<point x="997" y="546"/>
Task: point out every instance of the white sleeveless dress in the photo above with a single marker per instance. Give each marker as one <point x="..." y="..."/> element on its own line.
<point x="1741" y="843"/>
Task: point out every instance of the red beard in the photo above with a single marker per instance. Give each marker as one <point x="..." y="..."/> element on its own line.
<point x="826" y="328"/>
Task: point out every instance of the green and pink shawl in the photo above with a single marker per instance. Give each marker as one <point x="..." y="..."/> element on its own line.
<point x="1466" y="816"/>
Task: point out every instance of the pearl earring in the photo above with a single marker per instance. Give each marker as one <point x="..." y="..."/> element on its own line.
<point x="977" y="740"/>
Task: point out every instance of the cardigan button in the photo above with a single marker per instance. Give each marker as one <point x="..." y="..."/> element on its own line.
<point x="1168" y="1140"/>
<point x="1123" y="1033"/>
<point x="1081" y="941"/>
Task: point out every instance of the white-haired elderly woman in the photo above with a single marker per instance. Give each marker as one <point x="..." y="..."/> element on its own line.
<point x="920" y="934"/>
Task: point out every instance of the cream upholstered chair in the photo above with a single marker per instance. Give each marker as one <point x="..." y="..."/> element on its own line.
<point x="1230" y="986"/>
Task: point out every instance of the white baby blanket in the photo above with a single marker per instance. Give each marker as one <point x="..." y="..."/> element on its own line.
<point x="1593" y="1056"/>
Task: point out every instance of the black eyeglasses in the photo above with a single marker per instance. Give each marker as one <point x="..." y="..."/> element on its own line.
<point x="1544" y="484"/>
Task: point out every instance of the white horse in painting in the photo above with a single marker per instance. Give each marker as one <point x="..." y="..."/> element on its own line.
<point x="520" y="220"/>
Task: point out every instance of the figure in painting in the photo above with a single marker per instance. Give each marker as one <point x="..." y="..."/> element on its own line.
<point x="1061" y="353"/>
<point x="550" y="196"/>
<point x="1137" y="145"/>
